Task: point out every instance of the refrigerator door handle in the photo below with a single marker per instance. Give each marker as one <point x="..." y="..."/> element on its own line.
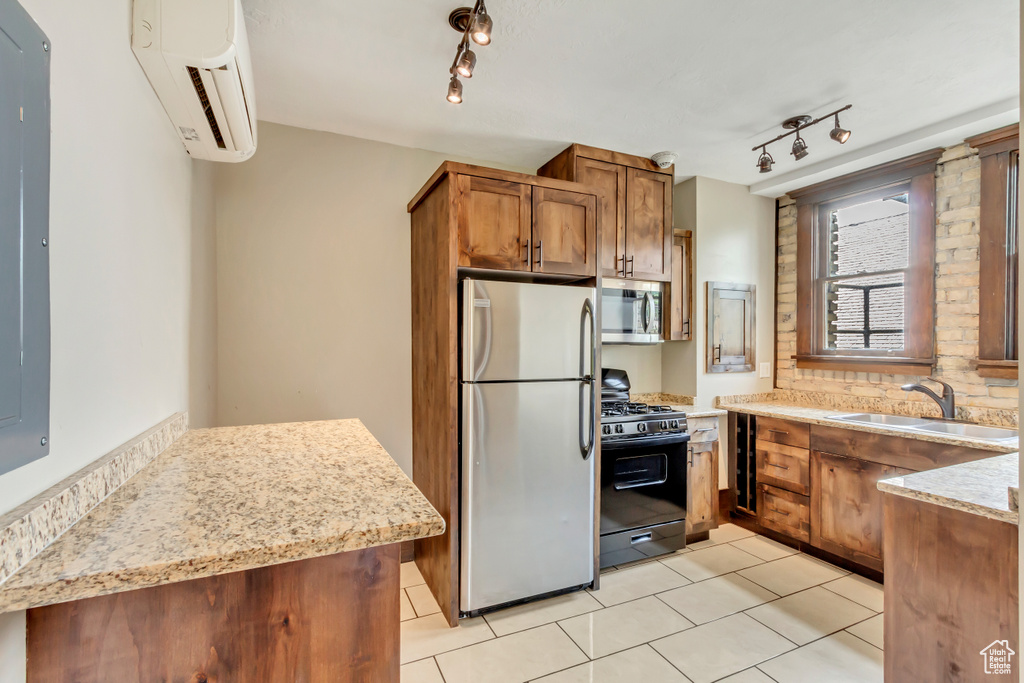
<point x="587" y="378"/>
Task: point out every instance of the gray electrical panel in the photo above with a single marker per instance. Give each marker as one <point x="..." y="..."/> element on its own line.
<point x="24" y="226"/>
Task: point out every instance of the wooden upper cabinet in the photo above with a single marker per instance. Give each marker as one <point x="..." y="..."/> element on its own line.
<point x="681" y="288"/>
<point x="494" y="222"/>
<point x="635" y="209"/>
<point x="564" y="232"/>
<point x="611" y="180"/>
<point x="648" y="225"/>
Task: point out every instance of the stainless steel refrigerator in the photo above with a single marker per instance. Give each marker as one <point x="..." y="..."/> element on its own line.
<point x="527" y="441"/>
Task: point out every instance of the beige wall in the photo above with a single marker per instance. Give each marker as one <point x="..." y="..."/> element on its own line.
<point x="202" y="338"/>
<point x="641" y="363"/>
<point x="313" y="282"/>
<point x="957" y="200"/>
<point x="119" y="258"/>
<point x="733" y="241"/>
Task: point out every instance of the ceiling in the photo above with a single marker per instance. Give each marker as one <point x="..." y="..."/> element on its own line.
<point x="705" y="78"/>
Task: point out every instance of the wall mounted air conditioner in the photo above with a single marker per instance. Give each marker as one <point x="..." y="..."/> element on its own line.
<point x="196" y="56"/>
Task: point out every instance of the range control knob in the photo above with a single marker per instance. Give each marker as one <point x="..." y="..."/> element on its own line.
<point x="606" y="429"/>
<point x="641" y="427"/>
<point x="618" y="429"/>
<point x="675" y="424"/>
<point x="664" y="424"/>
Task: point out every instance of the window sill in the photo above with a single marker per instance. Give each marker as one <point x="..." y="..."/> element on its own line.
<point x="893" y="366"/>
<point x="998" y="369"/>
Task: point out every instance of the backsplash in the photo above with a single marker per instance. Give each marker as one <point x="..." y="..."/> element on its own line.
<point x="846" y="403"/>
<point x="958" y="197"/>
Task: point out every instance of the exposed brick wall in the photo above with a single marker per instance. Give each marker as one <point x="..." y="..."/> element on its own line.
<point x="958" y="189"/>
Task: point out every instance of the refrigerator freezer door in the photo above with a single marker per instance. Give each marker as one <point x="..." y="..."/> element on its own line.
<point x="522" y="331"/>
<point x="527" y="494"/>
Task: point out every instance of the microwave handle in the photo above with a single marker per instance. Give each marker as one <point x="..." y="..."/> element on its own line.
<point x="648" y="312"/>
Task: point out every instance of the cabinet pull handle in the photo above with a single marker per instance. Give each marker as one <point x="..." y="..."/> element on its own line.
<point x="540" y="253"/>
<point x="778" y="512"/>
<point x="781" y="467"/>
<point x="623" y="259"/>
<point x="716" y="357"/>
<point x="528" y="249"/>
<point x="630" y="261"/>
<point x="705" y="429"/>
<point x="779" y="431"/>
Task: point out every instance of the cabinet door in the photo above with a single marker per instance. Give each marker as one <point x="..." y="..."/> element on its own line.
<point x="846" y="506"/>
<point x="702" y="488"/>
<point x="648" y="225"/>
<point x="731" y="325"/>
<point x="494" y="223"/>
<point x="611" y="211"/>
<point x="681" y="289"/>
<point x="564" y="232"/>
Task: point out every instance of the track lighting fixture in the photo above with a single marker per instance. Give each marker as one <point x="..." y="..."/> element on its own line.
<point x="838" y="134"/>
<point x="795" y="125"/>
<point x="455" y="90"/>
<point x="480" y="29"/>
<point x="799" y="147"/>
<point x="473" y="23"/>
<point x="465" y="62"/>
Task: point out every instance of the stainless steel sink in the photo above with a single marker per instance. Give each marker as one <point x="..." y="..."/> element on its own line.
<point x="969" y="430"/>
<point x="935" y="426"/>
<point x="879" y="419"/>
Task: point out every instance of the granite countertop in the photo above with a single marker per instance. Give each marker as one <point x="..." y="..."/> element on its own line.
<point x="229" y="499"/>
<point x="824" y="416"/>
<point x="979" y="487"/>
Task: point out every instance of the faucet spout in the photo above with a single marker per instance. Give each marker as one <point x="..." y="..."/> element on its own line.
<point x="946" y="402"/>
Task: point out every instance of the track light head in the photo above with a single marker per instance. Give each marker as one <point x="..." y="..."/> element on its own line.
<point x="799" y="147"/>
<point x="765" y="161"/>
<point x="455" y="90"/>
<point x="840" y="135"/>
<point x="466" y="62"/>
<point x="480" y="30"/>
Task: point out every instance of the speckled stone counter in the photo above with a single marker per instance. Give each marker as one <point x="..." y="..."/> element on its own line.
<point x="825" y="416"/>
<point x="979" y="487"/>
<point x="229" y="499"/>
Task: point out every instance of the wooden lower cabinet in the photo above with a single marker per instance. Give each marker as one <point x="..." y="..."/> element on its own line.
<point x="846" y="506"/>
<point x="783" y="511"/>
<point x="702" y="488"/>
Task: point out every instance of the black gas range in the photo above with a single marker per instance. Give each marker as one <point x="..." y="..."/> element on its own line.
<point x="643" y="475"/>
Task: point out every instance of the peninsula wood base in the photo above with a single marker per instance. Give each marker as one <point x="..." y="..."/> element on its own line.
<point x="324" y="620"/>
<point x="950" y="592"/>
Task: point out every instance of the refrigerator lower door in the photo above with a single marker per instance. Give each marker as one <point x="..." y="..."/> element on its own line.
<point x="517" y="331"/>
<point x="527" y="493"/>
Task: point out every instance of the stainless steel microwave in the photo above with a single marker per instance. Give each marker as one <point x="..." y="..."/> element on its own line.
<point x="631" y="312"/>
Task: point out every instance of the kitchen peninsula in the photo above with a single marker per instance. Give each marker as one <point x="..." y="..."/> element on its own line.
<point x="257" y="553"/>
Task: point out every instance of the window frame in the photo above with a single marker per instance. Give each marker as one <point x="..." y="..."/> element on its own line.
<point x="916" y="176"/>
<point x="996" y="150"/>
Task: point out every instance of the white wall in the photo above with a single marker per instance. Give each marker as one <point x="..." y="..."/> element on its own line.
<point x="734" y="241"/>
<point x="313" y="281"/>
<point x="119" y="257"/>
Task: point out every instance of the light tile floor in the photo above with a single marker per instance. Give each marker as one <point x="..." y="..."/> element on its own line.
<point x="737" y="608"/>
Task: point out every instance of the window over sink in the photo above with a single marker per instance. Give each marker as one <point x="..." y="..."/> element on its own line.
<point x="865" y="269"/>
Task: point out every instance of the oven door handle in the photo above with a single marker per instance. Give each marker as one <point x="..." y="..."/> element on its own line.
<point x="587" y="378"/>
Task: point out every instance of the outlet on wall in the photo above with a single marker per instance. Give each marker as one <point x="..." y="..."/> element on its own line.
<point x="766" y="370"/>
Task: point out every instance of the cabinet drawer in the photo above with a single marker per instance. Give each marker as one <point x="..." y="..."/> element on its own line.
<point x="785" y="432"/>
<point x="702" y="429"/>
<point x="784" y="466"/>
<point x="784" y="511"/>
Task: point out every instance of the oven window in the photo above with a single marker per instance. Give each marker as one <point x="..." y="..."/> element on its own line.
<point x="640" y="470"/>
